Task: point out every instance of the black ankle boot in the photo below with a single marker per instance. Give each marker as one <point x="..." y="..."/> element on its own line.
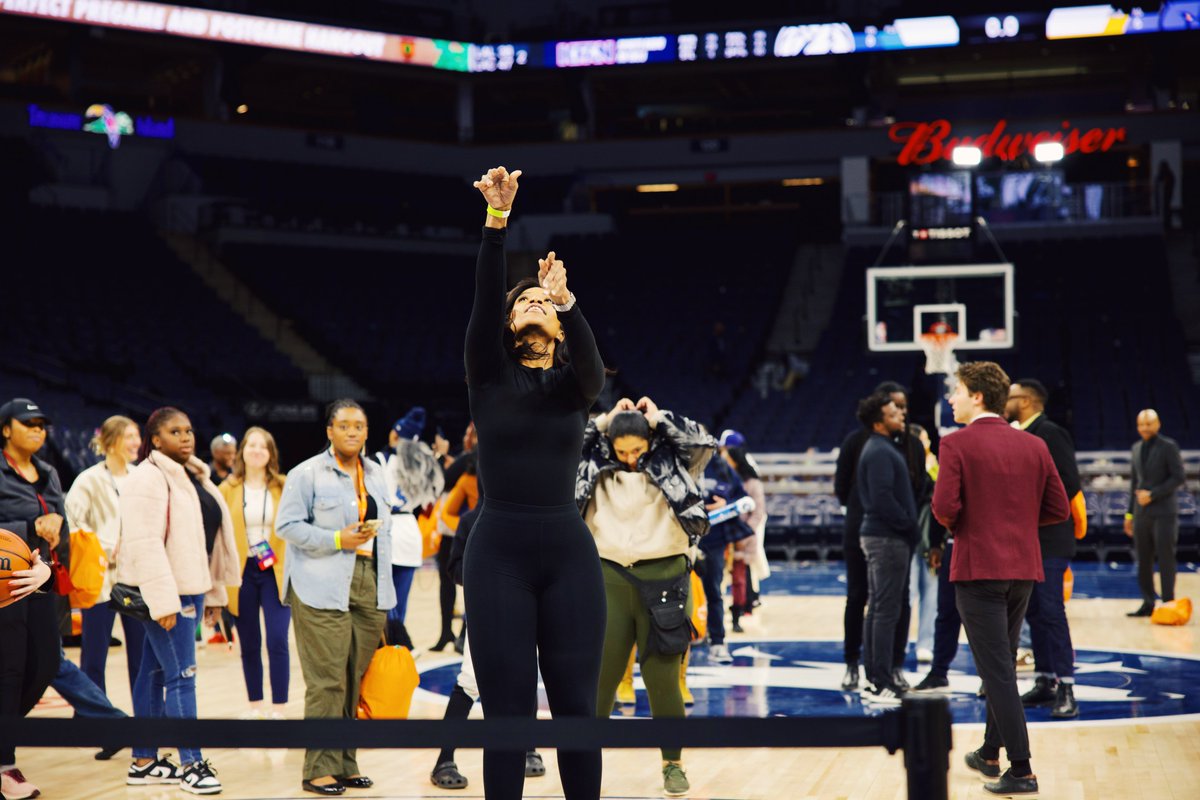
<point x="1042" y="693"/>
<point x="1065" y="706"/>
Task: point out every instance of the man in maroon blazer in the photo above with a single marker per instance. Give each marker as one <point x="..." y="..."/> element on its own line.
<point x="996" y="486"/>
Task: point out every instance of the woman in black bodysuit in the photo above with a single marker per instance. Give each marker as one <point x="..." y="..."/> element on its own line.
<point x="531" y="574"/>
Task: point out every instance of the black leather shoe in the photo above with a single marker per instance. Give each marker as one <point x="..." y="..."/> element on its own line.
<point x="1010" y="785"/>
<point x="1042" y="693"/>
<point x="361" y="782"/>
<point x="327" y="789"/>
<point x="981" y="765"/>
<point x="1144" y="611"/>
<point x="1065" y="706"/>
<point x="850" y="679"/>
<point x="899" y="681"/>
<point x="108" y="752"/>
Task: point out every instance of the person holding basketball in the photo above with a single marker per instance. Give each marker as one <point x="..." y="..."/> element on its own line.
<point x="31" y="507"/>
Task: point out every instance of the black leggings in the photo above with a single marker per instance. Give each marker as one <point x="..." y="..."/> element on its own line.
<point x="535" y="595"/>
<point x="447" y="589"/>
<point x="30" y="650"/>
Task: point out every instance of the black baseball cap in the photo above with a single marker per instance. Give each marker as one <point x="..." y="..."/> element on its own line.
<point x="23" y="409"/>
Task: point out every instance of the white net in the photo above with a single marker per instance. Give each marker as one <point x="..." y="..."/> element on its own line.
<point x="939" y="353"/>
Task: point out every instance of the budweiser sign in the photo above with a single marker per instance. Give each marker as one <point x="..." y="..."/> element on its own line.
<point x="927" y="142"/>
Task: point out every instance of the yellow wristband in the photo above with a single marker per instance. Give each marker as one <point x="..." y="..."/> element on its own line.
<point x="337" y="540"/>
<point x="1129" y="516"/>
<point x="495" y="212"/>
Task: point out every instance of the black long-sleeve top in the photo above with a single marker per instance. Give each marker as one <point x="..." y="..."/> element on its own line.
<point x="530" y="420"/>
<point x="885" y="491"/>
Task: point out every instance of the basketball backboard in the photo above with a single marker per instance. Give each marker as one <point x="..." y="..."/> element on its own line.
<point x="973" y="301"/>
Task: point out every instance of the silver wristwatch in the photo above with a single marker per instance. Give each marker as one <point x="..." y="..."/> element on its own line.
<point x="567" y="306"/>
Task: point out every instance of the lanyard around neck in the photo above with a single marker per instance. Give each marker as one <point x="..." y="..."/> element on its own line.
<point x="266" y="491"/>
<point x="360" y="485"/>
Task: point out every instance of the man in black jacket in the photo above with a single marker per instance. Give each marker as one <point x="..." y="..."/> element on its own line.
<point x="1053" y="653"/>
<point x="887" y="536"/>
<point x="1153" y="518"/>
<point x="844" y="485"/>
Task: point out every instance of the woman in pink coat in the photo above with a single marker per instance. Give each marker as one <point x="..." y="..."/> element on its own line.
<point x="177" y="547"/>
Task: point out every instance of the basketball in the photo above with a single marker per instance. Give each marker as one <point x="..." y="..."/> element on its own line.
<point x="14" y="556"/>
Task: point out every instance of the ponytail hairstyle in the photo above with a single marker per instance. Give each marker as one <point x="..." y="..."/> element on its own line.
<point x="154" y="424"/>
<point x="109" y="434"/>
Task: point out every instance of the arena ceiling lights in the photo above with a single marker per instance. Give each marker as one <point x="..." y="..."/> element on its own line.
<point x="763" y="43"/>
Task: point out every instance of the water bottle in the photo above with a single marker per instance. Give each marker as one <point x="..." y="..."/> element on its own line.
<point x="744" y="505"/>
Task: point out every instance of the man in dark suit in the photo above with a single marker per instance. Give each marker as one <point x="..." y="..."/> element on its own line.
<point x="995" y="487"/>
<point x="1053" y="653"/>
<point x="1153" y="518"/>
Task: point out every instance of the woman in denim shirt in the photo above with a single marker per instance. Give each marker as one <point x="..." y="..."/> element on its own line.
<point x="333" y="515"/>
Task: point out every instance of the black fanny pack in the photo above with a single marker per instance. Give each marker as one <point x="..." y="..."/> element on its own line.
<point x="666" y="601"/>
<point x="128" y="600"/>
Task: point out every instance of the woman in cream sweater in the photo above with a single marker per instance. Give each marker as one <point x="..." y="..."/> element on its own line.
<point x="94" y="504"/>
<point x="177" y="547"/>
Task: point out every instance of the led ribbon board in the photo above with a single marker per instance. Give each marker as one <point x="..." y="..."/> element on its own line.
<point x="216" y="26"/>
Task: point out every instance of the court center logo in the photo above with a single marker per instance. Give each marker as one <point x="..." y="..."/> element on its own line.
<point x="803" y="678"/>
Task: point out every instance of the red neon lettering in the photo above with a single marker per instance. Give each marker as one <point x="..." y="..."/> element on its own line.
<point x="920" y="134"/>
<point x="927" y="142"/>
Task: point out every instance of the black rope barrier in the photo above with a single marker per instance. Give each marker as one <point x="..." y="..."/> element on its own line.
<point x="921" y="728"/>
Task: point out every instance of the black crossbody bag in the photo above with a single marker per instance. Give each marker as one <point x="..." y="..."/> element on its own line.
<point x="666" y="601"/>
<point x="128" y="600"/>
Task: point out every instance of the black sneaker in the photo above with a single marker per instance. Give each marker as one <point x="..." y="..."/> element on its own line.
<point x="156" y="772"/>
<point x="1010" y="785"/>
<point x="985" y="768"/>
<point x="199" y="778"/>
<point x="932" y="683"/>
<point x="850" y="679"/>
<point x="1143" y="610"/>
<point x="1043" y="692"/>
<point x="1065" y="706"/>
<point x="534" y="766"/>
<point x="899" y="681"/>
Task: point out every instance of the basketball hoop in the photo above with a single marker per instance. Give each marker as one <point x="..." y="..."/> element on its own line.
<point x="939" y="352"/>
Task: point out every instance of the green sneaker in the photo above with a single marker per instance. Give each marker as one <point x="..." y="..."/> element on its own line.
<point x="675" y="782"/>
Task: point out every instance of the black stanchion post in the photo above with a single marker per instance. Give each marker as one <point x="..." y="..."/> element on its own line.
<point x="927" y="742"/>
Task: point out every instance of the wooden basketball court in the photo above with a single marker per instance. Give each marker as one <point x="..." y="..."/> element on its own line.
<point x="1156" y="758"/>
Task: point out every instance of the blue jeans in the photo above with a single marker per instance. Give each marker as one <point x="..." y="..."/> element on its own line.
<point x="402" y="579"/>
<point x="923" y="596"/>
<point x="260" y="592"/>
<point x="97" y="632"/>
<point x="88" y="700"/>
<point x="166" y="681"/>
<point x="1053" y="652"/>
<point x="710" y="578"/>
<point x="887" y="579"/>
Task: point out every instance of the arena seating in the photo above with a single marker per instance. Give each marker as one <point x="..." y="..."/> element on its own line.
<point x="100" y="284"/>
